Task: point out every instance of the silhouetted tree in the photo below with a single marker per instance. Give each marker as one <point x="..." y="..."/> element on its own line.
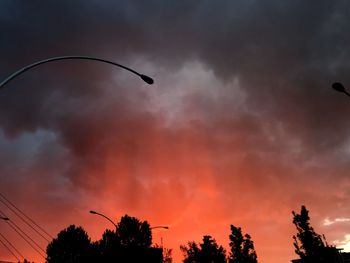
<point x="72" y="245"/>
<point x="108" y="248"/>
<point x="167" y="255"/>
<point x="130" y="243"/>
<point x="242" y="247"/>
<point x="310" y="246"/>
<point x="206" y="252"/>
<point x="132" y="232"/>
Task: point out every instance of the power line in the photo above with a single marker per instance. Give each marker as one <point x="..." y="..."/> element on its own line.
<point x="27" y="217"/>
<point x="25" y="237"/>
<point x="26" y="222"/>
<point x="19" y="253"/>
<point x="9" y="250"/>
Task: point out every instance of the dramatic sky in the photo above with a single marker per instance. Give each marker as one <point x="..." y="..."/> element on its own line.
<point x="241" y="126"/>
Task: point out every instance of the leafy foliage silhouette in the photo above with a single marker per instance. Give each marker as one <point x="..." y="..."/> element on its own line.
<point x="207" y="252"/>
<point x="310" y="246"/>
<point x="134" y="233"/>
<point x="72" y="245"/>
<point x="108" y="247"/>
<point x="130" y="243"/>
<point x="242" y="247"/>
<point x="167" y="257"/>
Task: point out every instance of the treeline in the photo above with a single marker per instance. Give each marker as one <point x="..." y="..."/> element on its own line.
<point x="241" y="250"/>
<point x="131" y="242"/>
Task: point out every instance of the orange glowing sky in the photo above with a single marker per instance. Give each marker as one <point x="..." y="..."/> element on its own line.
<point x="241" y="126"/>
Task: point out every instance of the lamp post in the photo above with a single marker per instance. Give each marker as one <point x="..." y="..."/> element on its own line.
<point x="164" y="227"/>
<point x="340" y="88"/>
<point x="115" y="225"/>
<point x="161" y="238"/>
<point x="145" y="78"/>
<point x="110" y="220"/>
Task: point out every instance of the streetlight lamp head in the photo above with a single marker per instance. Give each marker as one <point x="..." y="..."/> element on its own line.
<point x="338" y="87"/>
<point x="92" y="212"/>
<point x="5" y="218"/>
<point x="164" y="227"/>
<point x="147" y="79"/>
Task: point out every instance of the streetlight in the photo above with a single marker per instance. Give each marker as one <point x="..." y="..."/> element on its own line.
<point x="340" y="88"/>
<point x="161" y="238"/>
<point x="145" y="78"/>
<point x="164" y="227"/>
<point x="110" y="220"/>
<point x="4" y="218"/>
<point x="116" y="227"/>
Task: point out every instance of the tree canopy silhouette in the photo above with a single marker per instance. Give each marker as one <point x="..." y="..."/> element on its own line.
<point x="242" y="247"/>
<point x="207" y="252"/>
<point x="72" y="245"/>
<point x="310" y="246"/>
<point x="108" y="247"/>
<point x="130" y="242"/>
<point x="132" y="232"/>
<point x="167" y="257"/>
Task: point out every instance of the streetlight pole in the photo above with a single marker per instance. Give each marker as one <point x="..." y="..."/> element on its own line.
<point x="145" y="78"/>
<point x="161" y="238"/>
<point x="110" y="220"/>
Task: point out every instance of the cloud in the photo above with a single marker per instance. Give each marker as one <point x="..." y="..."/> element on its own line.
<point x="328" y="222"/>
<point x="345" y="243"/>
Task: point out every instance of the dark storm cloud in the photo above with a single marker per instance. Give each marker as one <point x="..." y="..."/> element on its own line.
<point x="286" y="54"/>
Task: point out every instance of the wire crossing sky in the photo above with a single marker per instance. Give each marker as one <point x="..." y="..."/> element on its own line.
<point x="23" y="233"/>
<point x="11" y="248"/>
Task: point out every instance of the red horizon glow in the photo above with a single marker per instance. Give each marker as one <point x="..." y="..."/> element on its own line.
<point x="175" y="180"/>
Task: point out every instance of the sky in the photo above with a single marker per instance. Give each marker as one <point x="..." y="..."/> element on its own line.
<point x="240" y="127"/>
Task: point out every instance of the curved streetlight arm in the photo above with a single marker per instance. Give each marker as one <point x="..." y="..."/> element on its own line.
<point x="164" y="227"/>
<point x="145" y="78"/>
<point x="110" y="220"/>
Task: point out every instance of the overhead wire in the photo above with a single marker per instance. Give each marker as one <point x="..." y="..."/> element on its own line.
<point x="14" y="248"/>
<point x="13" y="254"/>
<point x="26" y="216"/>
<point x="23" y="235"/>
<point x="26" y="222"/>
